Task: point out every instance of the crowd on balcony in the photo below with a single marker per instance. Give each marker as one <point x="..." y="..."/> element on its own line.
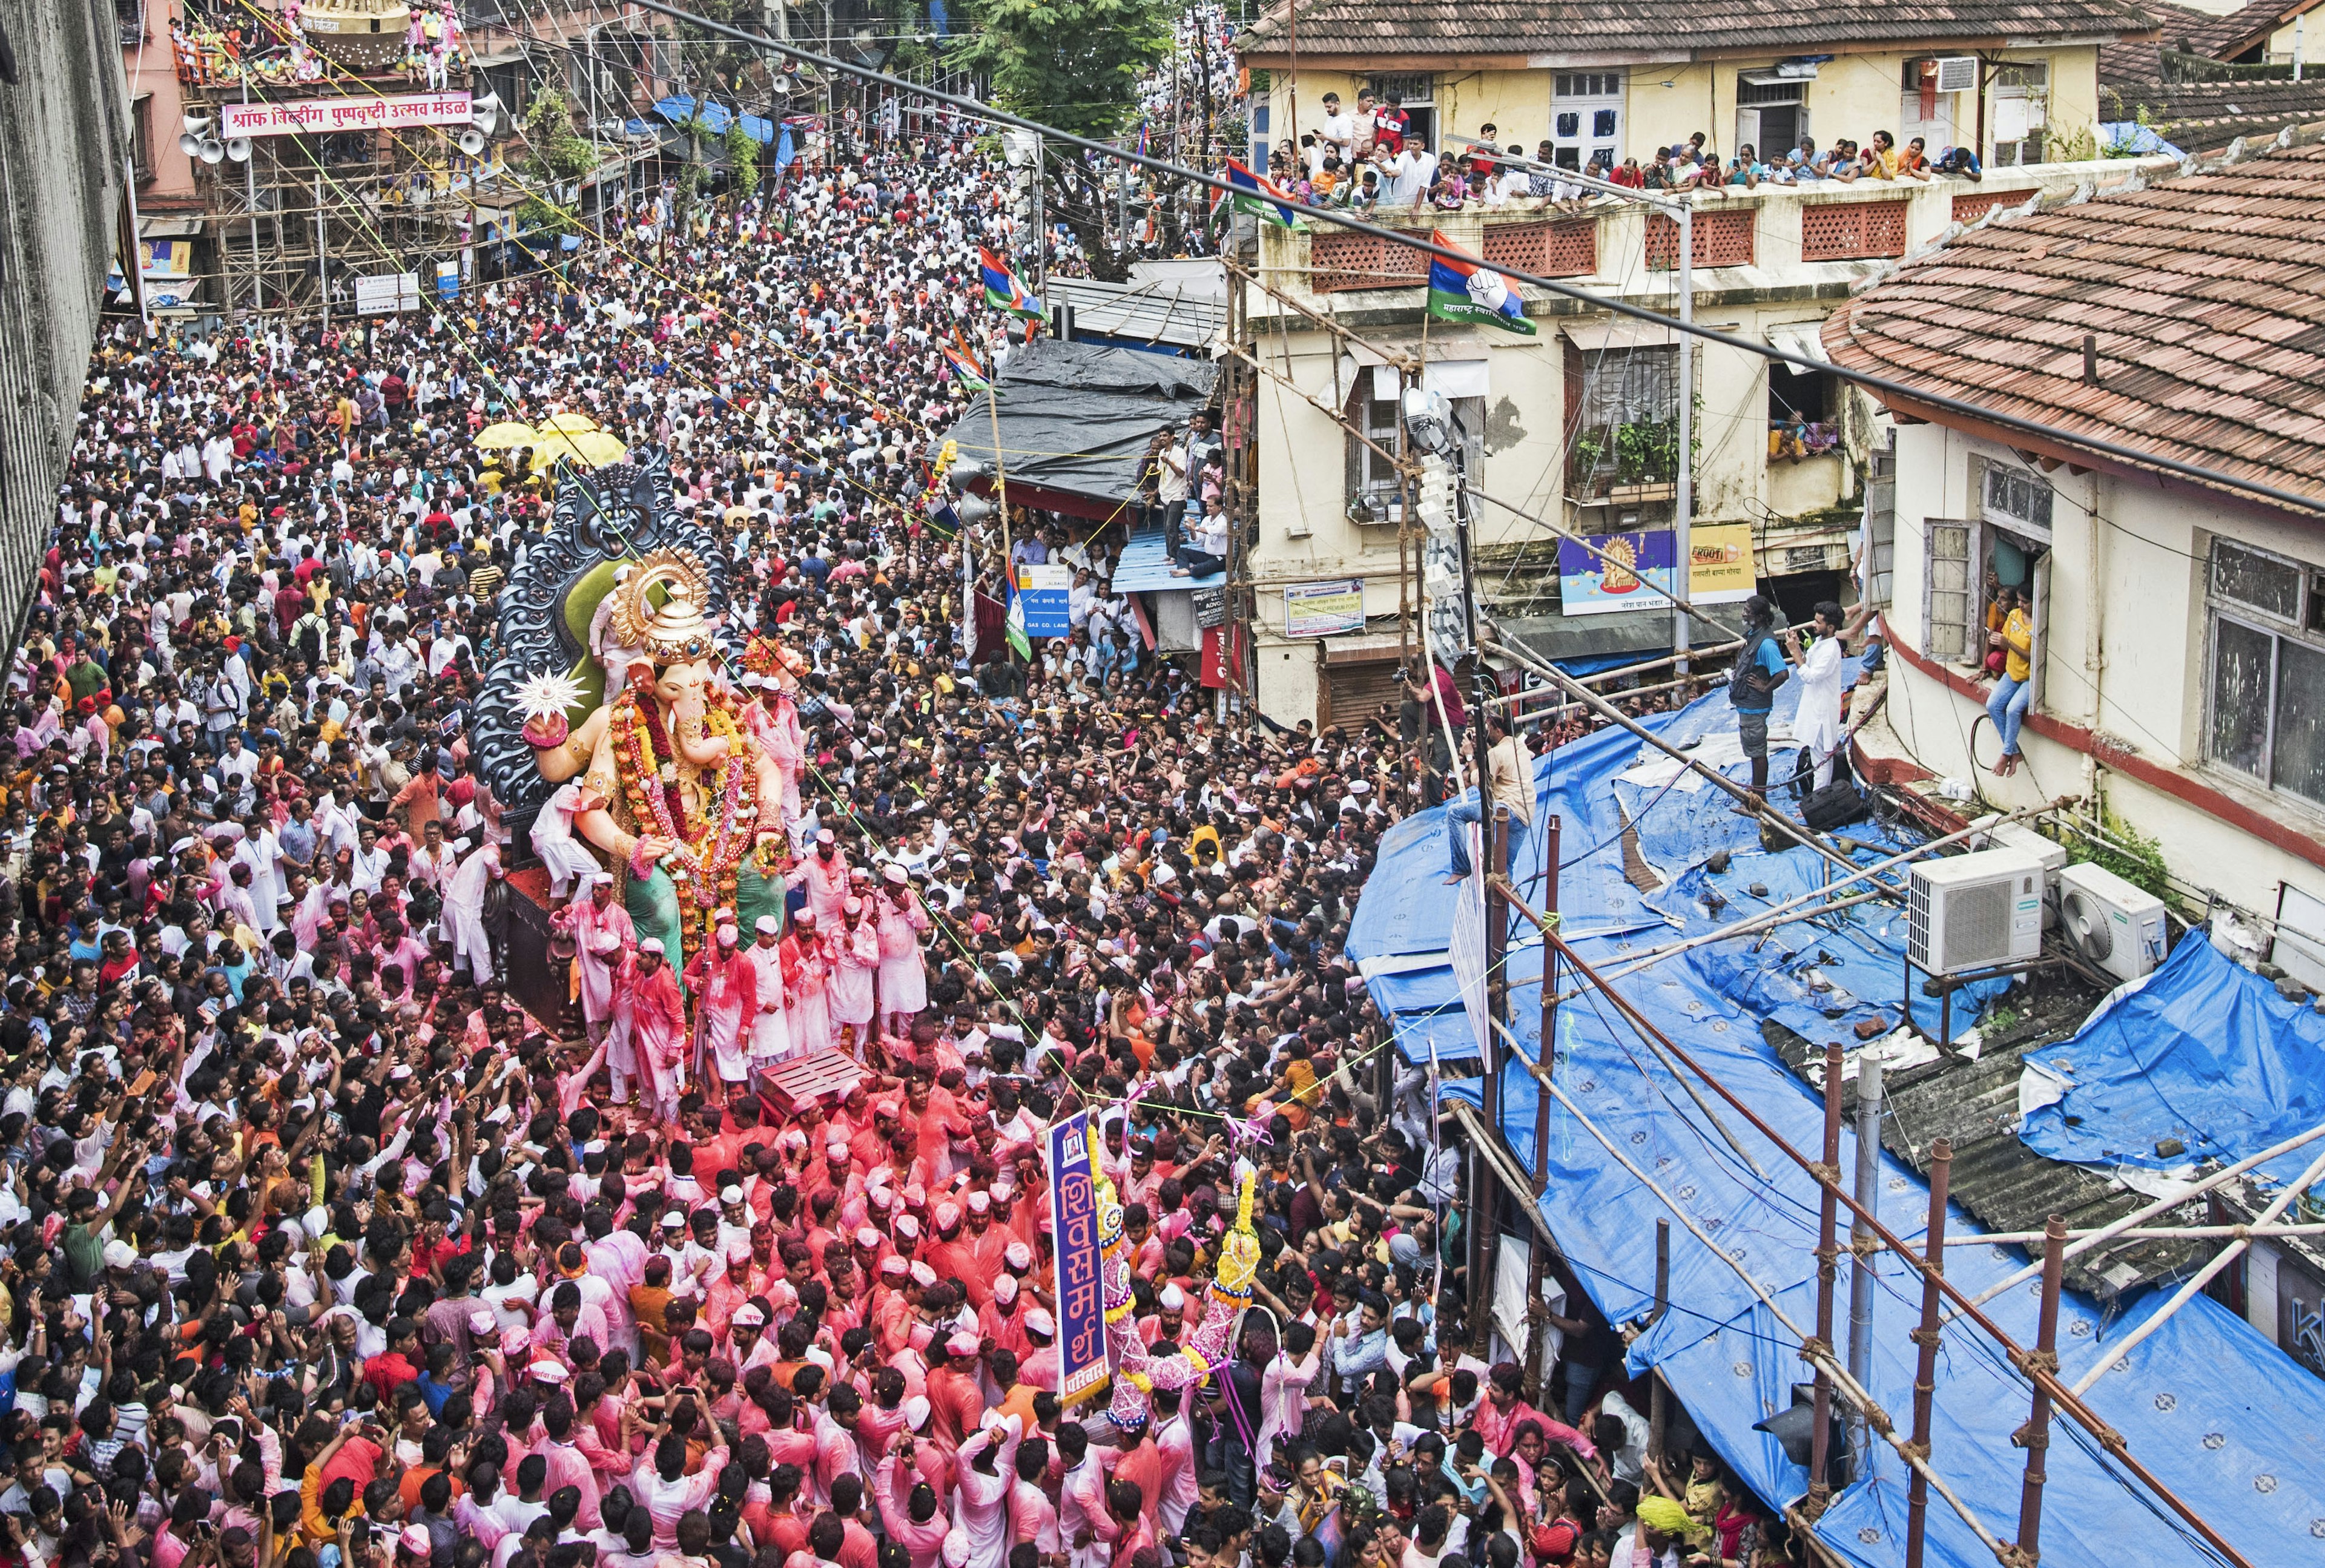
<point x="1371" y="157"/>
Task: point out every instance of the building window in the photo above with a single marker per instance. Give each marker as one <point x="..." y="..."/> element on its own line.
<point x="1624" y="416"/>
<point x="1415" y="94"/>
<point x="140" y="138"/>
<point x="1968" y="564"/>
<point x="2022" y="97"/>
<point x="1372" y="478"/>
<point x="1772" y="113"/>
<point x="1586" y="118"/>
<point x="2015" y="495"/>
<point x="2266" y="669"/>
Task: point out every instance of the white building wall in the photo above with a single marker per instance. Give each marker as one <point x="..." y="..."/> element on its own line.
<point x="2127" y="663"/>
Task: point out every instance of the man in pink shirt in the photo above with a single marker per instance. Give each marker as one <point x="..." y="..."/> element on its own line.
<point x="913" y="1522"/>
<point x="568" y="1465"/>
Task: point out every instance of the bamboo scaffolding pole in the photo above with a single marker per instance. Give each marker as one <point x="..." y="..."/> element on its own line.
<point x="2067" y="1400"/>
<point x="1847" y="1386"/>
<point x="1640" y="669"/>
<point x="1926" y="1339"/>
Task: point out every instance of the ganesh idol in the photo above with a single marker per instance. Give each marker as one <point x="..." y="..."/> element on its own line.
<point x="666" y="781"/>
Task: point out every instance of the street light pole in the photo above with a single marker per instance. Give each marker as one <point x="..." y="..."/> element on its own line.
<point x="1684" y="506"/>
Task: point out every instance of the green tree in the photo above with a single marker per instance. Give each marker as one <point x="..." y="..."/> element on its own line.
<point x="556" y="148"/>
<point x="1073" y="64"/>
<point x="743" y="157"/>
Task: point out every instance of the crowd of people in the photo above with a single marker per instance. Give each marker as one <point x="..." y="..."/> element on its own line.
<point x="1373" y="155"/>
<point x="320" y="1251"/>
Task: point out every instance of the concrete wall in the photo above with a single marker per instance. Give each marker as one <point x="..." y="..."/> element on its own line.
<point x="64" y="149"/>
<point x="1852" y="96"/>
<point x="2124" y="654"/>
<point x="150" y="71"/>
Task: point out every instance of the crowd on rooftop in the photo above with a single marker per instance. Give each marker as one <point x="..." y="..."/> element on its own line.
<point x="1371" y="157"/>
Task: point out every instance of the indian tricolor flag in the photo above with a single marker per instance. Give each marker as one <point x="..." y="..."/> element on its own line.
<point x="1261" y="197"/>
<point x="1465" y="290"/>
<point x="1004" y="291"/>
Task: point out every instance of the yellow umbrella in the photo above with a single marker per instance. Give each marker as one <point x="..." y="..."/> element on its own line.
<point x="553" y="447"/>
<point x="598" y="447"/>
<point x="567" y="424"/>
<point x="508" y="432"/>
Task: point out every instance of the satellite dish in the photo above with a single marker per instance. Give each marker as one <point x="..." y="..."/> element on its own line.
<point x="2086" y="925"/>
<point x="472" y="140"/>
<point x="238" y="148"/>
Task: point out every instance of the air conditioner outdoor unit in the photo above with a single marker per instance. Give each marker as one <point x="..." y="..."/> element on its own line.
<point x="2053" y="856"/>
<point x="1972" y="912"/>
<point x="1958" y="73"/>
<point x="2115" y="926"/>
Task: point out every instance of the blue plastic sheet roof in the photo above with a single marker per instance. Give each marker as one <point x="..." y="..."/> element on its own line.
<point x="2216" y="1412"/>
<point x="1145" y="566"/>
<point x="2201" y="1051"/>
<point x="679" y="108"/>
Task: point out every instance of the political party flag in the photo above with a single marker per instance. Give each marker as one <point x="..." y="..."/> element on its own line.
<point x="964" y="363"/>
<point x="1468" y="291"/>
<point x="1262" y="197"/>
<point x="1004" y="291"/>
<point x="944" y="522"/>
<point x="1014" y="627"/>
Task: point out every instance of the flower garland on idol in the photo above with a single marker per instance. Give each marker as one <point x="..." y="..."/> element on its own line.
<point x="705" y="848"/>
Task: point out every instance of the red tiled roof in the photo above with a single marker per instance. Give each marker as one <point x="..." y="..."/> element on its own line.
<point x="2186" y="30"/>
<point x="1671" y="29"/>
<point x="2203" y="116"/>
<point x="2205" y="294"/>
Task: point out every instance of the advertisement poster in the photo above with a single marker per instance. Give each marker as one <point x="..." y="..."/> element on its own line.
<point x="1324" y="609"/>
<point x="1719" y="565"/>
<point x="386" y="292"/>
<point x="1620" y="571"/>
<point x="1073" y="1231"/>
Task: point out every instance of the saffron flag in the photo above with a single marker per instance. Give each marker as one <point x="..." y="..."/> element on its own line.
<point x="1262" y="197"/>
<point x="1004" y="291"/>
<point x="1081" y="1290"/>
<point x="1469" y="290"/>
<point x="964" y="364"/>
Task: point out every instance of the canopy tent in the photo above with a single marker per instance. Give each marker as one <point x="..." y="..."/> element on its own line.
<point x="1075" y="420"/>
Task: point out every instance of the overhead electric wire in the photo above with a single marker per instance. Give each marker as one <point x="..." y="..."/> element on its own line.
<point x="1888" y="388"/>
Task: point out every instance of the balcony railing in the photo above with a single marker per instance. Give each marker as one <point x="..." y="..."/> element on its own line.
<point x="1782" y="235"/>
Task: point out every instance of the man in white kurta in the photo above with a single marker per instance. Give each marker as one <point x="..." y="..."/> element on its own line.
<point x="771" y="1040"/>
<point x="1817" y="725"/>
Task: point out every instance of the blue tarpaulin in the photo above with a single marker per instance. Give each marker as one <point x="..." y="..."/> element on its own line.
<point x="2220" y="1415"/>
<point x="2201" y="1051"/>
<point x="678" y="108"/>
